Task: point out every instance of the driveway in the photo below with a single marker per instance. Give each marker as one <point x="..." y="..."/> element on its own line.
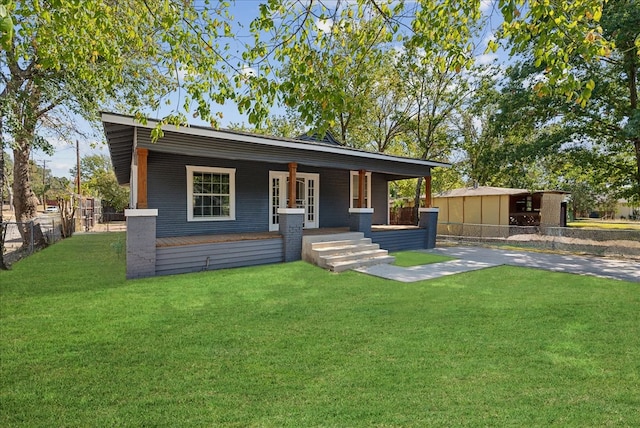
<point x="473" y="258"/>
<point x="605" y="267"/>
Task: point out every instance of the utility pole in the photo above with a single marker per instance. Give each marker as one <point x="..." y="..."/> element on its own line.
<point x="44" y="189"/>
<point x="78" y="165"/>
<point x="80" y="213"/>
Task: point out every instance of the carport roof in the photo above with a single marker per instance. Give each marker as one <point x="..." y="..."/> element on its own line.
<point x="123" y="132"/>
<point x="490" y="191"/>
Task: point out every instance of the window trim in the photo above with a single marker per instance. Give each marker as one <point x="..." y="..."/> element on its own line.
<point x="351" y="190"/>
<point x="232" y="192"/>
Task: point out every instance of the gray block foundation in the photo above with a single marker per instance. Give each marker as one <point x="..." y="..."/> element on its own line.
<point x="141" y="243"/>
<point x="291" y="224"/>
<point x="360" y="220"/>
<point x="429" y="222"/>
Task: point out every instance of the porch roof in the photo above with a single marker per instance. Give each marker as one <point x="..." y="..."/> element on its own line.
<point x="124" y="133"/>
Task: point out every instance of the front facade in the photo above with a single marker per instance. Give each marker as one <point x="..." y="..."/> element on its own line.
<point x="215" y="195"/>
<point x="234" y="188"/>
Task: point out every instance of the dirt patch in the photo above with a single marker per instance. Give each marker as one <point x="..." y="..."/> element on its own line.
<point x="617" y="247"/>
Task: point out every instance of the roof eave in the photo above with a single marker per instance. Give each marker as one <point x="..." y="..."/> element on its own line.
<point x="271" y="141"/>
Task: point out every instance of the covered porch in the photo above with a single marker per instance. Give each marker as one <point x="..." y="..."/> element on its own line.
<point x="250" y="199"/>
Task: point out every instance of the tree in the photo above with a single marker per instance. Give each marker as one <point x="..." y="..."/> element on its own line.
<point x="343" y="58"/>
<point x="621" y="23"/>
<point x="434" y="95"/>
<point x="99" y="179"/>
<point x="388" y="116"/>
<point x="604" y="117"/>
<point x="5" y="167"/>
<point x="105" y="185"/>
<point x="327" y="76"/>
<point x="288" y="125"/>
<point x="42" y="75"/>
<point x="90" y="166"/>
<point x="76" y="57"/>
<point x="6" y="177"/>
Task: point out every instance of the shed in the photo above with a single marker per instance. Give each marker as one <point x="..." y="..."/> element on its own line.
<point x="501" y="206"/>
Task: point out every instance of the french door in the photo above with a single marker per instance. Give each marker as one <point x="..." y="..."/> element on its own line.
<point x="307" y="191"/>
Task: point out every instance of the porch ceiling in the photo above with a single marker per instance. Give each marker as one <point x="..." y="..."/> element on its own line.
<point x="120" y="139"/>
<point x="212" y="143"/>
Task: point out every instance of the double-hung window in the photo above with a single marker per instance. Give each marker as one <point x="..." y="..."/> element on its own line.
<point x="210" y="193"/>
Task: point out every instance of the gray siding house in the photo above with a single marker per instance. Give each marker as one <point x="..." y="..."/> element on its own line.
<point x="203" y="198"/>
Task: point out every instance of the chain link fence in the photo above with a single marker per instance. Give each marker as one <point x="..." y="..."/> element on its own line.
<point x="603" y="242"/>
<point x="15" y="248"/>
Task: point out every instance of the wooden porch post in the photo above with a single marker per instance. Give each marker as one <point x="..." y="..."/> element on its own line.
<point x="361" y="177"/>
<point x="292" y="184"/>
<point x="142" y="177"/>
<point x="427" y="192"/>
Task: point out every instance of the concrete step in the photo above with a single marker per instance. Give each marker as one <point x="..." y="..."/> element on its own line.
<point x="354" y="264"/>
<point x="360" y="254"/>
<point x="340" y="243"/>
<point x="309" y="239"/>
<point x="341" y="249"/>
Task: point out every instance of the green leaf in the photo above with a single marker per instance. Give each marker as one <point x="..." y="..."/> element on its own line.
<point x="6" y="29"/>
<point x="597" y="14"/>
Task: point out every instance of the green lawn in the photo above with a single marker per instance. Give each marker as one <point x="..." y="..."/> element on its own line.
<point x="292" y="345"/>
<point x="605" y="224"/>
<point x="416" y="258"/>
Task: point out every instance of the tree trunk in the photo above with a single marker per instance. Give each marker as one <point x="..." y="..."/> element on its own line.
<point x="67" y="213"/>
<point x="10" y="192"/>
<point x="3" y="264"/>
<point x="632" y="73"/>
<point x="636" y="143"/>
<point x="24" y="200"/>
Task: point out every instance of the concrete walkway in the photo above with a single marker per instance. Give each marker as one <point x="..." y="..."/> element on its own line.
<point x="473" y="258"/>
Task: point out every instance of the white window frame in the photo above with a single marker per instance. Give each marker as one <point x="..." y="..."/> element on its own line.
<point x="232" y="192"/>
<point x="352" y="191"/>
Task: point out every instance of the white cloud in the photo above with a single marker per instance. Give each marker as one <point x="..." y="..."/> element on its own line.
<point x="486" y="6"/>
<point x="324" y="25"/>
<point x="247" y="71"/>
<point x="486" y="59"/>
<point x="531" y="81"/>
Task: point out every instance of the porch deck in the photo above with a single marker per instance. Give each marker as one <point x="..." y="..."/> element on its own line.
<point x="178" y="241"/>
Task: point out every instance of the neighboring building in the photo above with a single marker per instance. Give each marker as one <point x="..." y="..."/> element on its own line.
<point x="204" y="198"/>
<point x="499" y="207"/>
<point x="626" y="210"/>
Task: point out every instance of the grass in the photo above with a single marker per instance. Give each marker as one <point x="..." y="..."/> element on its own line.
<point x="291" y="345"/>
<point x="416" y="258"/>
<point x="603" y="224"/>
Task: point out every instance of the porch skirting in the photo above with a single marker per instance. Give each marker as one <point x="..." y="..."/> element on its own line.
<point x="221" y="255"/>
<point x="201" y="253"/>
<point x="399" y="239"/>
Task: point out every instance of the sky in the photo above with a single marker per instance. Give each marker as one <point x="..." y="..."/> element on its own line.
<point x="64" y="157"/>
